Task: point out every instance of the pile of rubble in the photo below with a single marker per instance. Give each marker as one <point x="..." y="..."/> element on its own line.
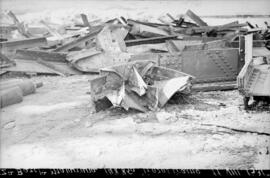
<point x="141" y="64"/>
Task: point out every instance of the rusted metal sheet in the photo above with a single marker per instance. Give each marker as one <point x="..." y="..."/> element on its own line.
<point x="140" y="85"/>
<point x="11" y="46"/>
<point x="206" y="65"/>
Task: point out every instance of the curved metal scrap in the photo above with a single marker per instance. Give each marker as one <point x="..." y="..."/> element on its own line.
<point x="140" y="85"/>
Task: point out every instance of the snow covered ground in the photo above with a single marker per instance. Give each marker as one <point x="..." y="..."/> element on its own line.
<point x="55" y="128"/>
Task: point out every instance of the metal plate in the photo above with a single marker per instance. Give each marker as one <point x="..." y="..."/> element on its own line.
<point x="215" y="65"/>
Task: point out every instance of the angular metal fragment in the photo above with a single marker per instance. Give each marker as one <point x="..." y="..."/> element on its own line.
<point x="139" y="85"/>
<point x="111" y="39"/>
<point x="167" y="88"/>
<point x="254" y="78"/>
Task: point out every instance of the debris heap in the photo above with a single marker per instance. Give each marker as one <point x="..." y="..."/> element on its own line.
<point x="184" y="46"/>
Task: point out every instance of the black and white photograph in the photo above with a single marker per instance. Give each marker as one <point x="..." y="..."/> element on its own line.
<point x="135" y="84"/>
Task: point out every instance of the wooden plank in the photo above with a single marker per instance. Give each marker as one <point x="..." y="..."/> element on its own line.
<point x="78" y="41"/>
<point x="44" y="55"/>
<point x="196" y="18"/>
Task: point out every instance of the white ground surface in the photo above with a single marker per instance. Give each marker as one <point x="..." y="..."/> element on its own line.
<point x="55" y="128"/>
<point x="68" y="11"/>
